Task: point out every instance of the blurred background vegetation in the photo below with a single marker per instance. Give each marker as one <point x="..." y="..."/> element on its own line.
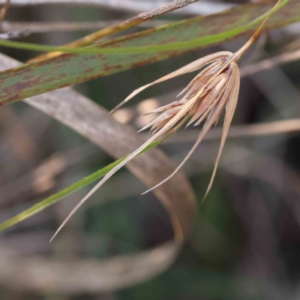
<point x="246" y="240"/>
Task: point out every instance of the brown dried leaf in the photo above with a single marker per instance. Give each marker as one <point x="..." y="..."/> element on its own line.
<point x="62" y="276"/>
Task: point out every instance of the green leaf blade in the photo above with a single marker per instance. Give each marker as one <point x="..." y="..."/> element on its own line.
<point x="58" y="196"/>
<point x="65" y="192"/>
<point x="191" y="34"/>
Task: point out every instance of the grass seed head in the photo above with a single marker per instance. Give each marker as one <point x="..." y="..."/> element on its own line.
<point x="214" y="90"/>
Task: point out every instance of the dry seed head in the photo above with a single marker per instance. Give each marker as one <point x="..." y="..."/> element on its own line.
<point x="206" y="97"/>
<point x="214" y="89"/>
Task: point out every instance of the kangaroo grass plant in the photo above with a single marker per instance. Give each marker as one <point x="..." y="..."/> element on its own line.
<point x="213" y="90"/>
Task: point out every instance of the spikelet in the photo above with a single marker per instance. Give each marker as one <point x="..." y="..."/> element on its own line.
<point x="214" y="90"/>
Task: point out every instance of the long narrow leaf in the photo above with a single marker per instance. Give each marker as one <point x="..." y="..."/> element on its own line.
<point x="118" y="27"/>
<point x="70" y="69"/>
<point x="65" y="192"/>
<point x="203" y="41"/>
